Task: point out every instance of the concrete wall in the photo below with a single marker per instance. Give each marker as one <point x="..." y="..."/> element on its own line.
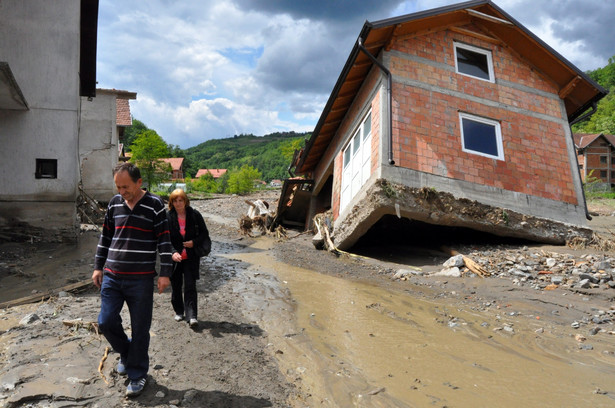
<point x="98" y="145"/>
<point x="40" y="41"/>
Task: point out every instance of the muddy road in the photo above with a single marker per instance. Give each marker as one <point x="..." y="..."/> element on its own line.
<point x="284" y="325"/>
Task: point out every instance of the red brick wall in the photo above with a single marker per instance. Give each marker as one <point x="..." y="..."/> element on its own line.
<point x="597" y="149"/>
<point x="426" y="129"/>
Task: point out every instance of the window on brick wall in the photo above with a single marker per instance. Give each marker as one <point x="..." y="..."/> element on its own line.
<point x="613" y="160"/>
<point x="356" y="161"/>
<point x="602" y="159"/>
<point x="481" y="136"/>
<point x="473" y="61"/>
<point x="602" y="174"/>
<point x="46" y="168"/>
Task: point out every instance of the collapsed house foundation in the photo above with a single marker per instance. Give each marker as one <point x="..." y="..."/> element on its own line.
<point x="442" y="208"/>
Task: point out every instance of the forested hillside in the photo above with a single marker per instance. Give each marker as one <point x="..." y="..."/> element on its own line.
<point x="603" y="121"/>
<point x="270" y="154"/>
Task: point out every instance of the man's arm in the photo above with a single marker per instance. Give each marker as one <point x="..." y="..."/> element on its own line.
<point x="102" y="250"/>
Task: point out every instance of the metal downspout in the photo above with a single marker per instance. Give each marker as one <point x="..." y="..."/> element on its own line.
<point x="579" y="119"/>
<point x="389" y="94"/>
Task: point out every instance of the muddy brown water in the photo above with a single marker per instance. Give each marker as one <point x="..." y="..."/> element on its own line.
<point x="356" y="344"/>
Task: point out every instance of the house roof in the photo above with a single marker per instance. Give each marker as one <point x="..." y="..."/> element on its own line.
<point x="214" y="172"/>
<point x="582" y="140"/>
<point x="123" y="112"/>
<point x="175" y="162"/>
<point x="577" y="90"/>
<point x="122" y="104"/>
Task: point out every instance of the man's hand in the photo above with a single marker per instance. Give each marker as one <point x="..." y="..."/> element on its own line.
<point x="97" y="277"/>
<point x="163" y="283"/>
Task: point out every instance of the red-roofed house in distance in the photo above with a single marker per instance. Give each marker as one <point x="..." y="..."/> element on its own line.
<point x="177" y="167"/>
<point x="216" y="173"/>
<point x="596" y="156"/>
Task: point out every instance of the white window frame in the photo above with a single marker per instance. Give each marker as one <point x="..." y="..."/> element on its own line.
<point x="356" y="171"/>
<point x="497" y="134"/>
<point x="477" y="50"/>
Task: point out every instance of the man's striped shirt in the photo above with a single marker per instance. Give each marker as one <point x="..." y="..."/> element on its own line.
<point x="129" y="239"/>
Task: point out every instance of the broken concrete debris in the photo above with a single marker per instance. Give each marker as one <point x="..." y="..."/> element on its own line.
<point x="540" y="269"/>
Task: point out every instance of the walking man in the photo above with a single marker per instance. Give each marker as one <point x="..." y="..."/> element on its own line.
<point x="135" y="227"/>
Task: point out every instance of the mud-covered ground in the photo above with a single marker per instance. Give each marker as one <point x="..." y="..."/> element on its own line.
<point x="51" y="356"/>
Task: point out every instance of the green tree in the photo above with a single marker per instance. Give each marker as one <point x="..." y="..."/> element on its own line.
<point x="147" y="150"/>
<point x="131" y="133"/>
<point x="206" y="183"/>
<point x="603" y="121"/>
<point x="241" y="181"/>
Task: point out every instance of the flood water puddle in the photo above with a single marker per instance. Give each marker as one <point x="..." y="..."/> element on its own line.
<point x="355" y="344"/>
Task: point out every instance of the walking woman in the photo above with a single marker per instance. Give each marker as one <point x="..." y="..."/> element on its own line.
<point x="188" y="230"/>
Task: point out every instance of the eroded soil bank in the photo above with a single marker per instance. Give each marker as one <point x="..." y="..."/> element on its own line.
<point x="284" y="325"/>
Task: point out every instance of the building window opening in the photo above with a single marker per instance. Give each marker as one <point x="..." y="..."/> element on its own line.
<point x="473" y="61"/>
<point x="46" y="169"/>
<point x="481" y="136"/>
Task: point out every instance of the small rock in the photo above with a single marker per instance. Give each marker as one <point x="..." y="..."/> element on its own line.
<point x="29" y="319"/>
<point x="583" y="284"/>
<point x="594" y="330"/>
<point x="160" y="394"/>
<point x="452" y="272"/>
<point x="455" y="261"/>
<point x="585" y="347"/>
<point x="575" y="325"/>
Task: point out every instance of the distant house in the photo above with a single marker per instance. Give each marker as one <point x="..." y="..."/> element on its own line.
<point x="457" y="116"/>
<point x="275" y="183"/>
<point x="47" y="64"/>
<point x="216" y="173"/>
<point x="596" y="156"/>
<point x="177" y="167"/>
<point x="103" y="120"/>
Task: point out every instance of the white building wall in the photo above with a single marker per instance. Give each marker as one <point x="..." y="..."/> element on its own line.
<point x="40" y="41"/>
<point x="98" y="145"/>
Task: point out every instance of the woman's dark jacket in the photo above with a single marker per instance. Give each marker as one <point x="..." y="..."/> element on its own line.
<point x="194" y="222"/>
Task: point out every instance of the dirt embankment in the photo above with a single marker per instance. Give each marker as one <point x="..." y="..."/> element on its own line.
<point x="50" y="353"/>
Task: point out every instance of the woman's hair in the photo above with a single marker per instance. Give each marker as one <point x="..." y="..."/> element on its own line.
<point x="178" y="192"/>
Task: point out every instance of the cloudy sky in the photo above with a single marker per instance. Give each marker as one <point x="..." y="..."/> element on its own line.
<point x="213" y="69"/>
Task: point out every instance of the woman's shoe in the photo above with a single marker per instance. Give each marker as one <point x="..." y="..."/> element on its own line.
<point x="193" y="323"/>
<point x="179" y="318"/>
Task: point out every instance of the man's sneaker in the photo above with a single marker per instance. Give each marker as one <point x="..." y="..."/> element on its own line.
<point x="194" y="322"/>
<point x="121" y="368"/>
<point x="135" y="387"/>
<point x="179" y="318"/>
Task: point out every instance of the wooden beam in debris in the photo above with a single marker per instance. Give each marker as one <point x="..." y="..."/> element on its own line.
<point x="40" y="297"/>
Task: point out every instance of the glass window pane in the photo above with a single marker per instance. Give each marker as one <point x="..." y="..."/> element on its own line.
<point x="367" y="126"/>
<point x="480" y="137"/>
<point x="472" y="63"/>
<point x="347" y="156"/>
<point x="356" y="143"/>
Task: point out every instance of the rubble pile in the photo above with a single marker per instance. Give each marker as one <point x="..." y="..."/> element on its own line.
<point x="549" y="270"/>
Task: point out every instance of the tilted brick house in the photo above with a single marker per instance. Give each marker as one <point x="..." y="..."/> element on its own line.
<point x="456" y="116"/>
<point x="596" y="156"/>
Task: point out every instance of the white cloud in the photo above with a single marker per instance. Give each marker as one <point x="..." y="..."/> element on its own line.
<point x="213" y="69"/>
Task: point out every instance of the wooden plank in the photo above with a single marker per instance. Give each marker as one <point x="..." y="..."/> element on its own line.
<point x="40" y="297"/>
